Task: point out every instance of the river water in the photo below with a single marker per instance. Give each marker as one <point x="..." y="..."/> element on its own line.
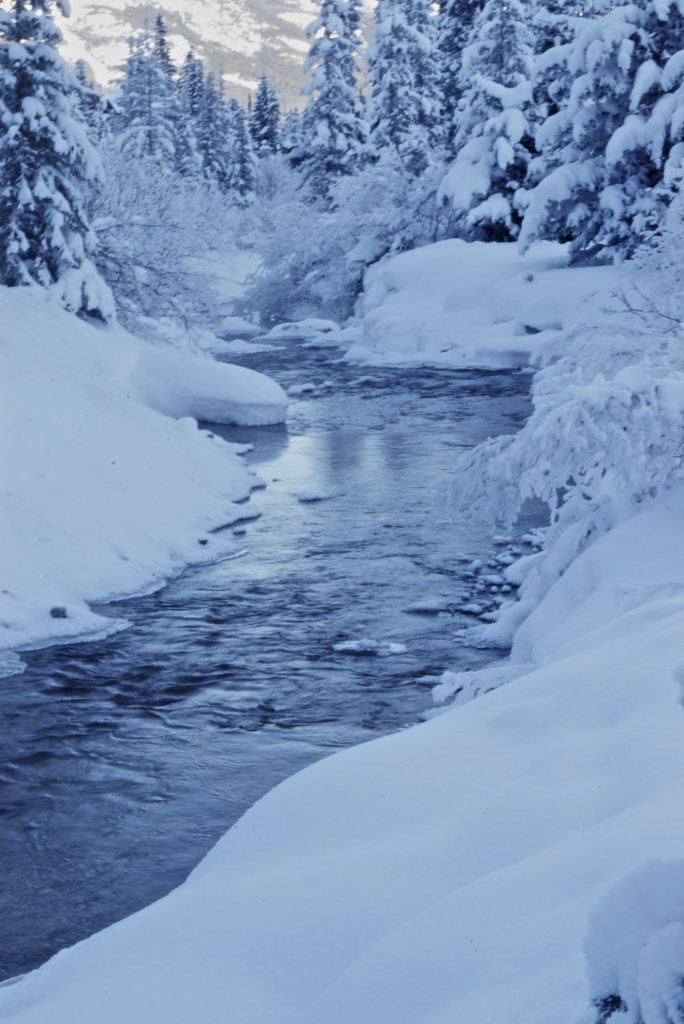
<point x="122" y="761"/>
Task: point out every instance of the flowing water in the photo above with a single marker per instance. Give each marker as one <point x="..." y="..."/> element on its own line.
<point x="123" y="761"/>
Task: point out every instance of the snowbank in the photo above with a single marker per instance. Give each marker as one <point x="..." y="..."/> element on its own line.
<point x="179" y="384"/>
<point x="473" y="303"/>
<point x="102" y="495"/>
<point x="448" y="872"/>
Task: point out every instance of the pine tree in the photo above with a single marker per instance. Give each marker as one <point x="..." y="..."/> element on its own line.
<point x="333" y="125"/>
<point x="264" y="120"/>
<point x="242" y="168"/>
<point x="493" y="143"/>
<point x="161" y="50"/>
<point x="190" y="96"/>
<point x="94" y="108"/>
<point x="292" y="137"/>
<point x="148" y="121"/>
<point x="454" y="27"/>
<point x="612" y="156"/>
<point x="403" y="76"/>
<point x="45" y="160"/>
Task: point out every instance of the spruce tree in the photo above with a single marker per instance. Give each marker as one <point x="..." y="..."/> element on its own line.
<point x="612" y="156"/>
<point x="161" y="50"/>
<point x="45" y="160"/>
<point x="148" y="121"/>
<point x="242" y="168"/>
<point x="333" y="126"/>
<point x="292" y="137"/>
<point x="190" y="97"/>
<point x="454" y="27"/>
<point x="493" y="143"/>
<point x="404" y="113"/>
<point x="264" y="120"/>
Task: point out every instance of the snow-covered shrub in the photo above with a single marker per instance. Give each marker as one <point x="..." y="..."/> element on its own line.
<point x="153" y="233"/>
<point x="635" y="948"/>
<point x="314" y="259"/>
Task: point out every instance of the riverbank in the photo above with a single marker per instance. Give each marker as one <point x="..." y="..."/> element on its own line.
<point x="109" y="486"/>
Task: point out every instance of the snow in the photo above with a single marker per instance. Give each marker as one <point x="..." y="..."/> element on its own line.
<point x="239" y="347"/>
<point x="368" y="646"/>
<point x="180" y="384"/>
<point x="314" y="494"/>
<point x="451" y="871"/>
<point x="308" y="329"/>
<point x="109" y="487"/>
<point x="237" y="327"/>
<point x="482" y="304"/>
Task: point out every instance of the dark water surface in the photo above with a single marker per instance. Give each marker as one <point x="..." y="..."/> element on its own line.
<point x="122" y="762"/>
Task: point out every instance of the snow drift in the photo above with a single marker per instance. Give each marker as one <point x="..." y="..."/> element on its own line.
<point x="102" y="495"/>
<point x="473" y="304"/>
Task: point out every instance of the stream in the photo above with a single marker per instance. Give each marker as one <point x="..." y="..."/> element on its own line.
<point x="124" y="760"/>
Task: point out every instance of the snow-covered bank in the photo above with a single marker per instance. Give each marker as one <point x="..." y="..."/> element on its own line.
<point x="104" y="496"/>
<point x="448" y="872"/>
<point x="473" y="304"/>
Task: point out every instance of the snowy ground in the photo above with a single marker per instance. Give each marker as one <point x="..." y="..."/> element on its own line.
<point x="108" y="485"/>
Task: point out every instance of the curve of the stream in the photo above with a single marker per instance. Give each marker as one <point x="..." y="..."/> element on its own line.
<point x="123" y="761"/>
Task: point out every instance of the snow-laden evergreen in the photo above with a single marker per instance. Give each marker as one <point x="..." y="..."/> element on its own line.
<point x="146" y="99"/>
<point x="454" y="28"/>
<point x="241" y="181"/>
<point x="264" y="121"/>
<point x="333" y="127"/>
<point x="612" y="154"/>
<point x="45" y="160"/>
<point x="404" y="108"/>
<point x="485" y="186"/>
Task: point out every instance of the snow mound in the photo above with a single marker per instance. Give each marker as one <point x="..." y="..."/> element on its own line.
<point x="239" y="347"/>
<point x="104" y="497"/>
<point x="179" y="384"/>
<point x="295" y="390"/>
<point x="367" y="647"/>
<point x="303" y="330"/>
<point x="473" y="304"/>
<point x="238" y="327"/>
<point x="313" y="494"/>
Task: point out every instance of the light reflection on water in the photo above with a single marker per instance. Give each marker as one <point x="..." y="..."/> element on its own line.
<point x="123" y="761"/>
